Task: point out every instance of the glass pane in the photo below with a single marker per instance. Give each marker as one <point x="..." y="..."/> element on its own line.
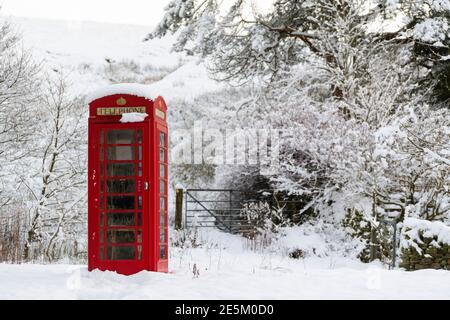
<point x="120" y="169"/>
<point x="140" y="153"/>
<point x="139" y="218"/>
<point x="139" y="237"/>
<point x="120" y="219"/>
<point x="162" y="170"/>
<point x="140" y="202"/>
<point x="121" y="153"/>
<point x="162" y="252"/>
<point x="162" y="203"/>
<point x="161" y="155"/>
<point x="140" y="169"/>
<point x="101" y="236"/>
<point x="120" y="137"/>
<point x="162" y="186"/>
<point x="121" y="253"/>
<point x="161" y="218"/>
<point x="120" y="186"/>
<point x="121" y="236"/>
<point x="102" y="136"/>
<point x="139" y="252"/>
<point x="101" y="153"/>
<point x="162" y="236"/>
<point x="120" y="203"/>
<point x="139" y="134"/>
<point x="101" y="220"/>
<point x="101" y="169"/>
<point x="101" y="253"/>
<point x="162" y="140"/>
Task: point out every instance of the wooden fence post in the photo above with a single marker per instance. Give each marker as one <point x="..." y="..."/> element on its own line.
<point x="179" y="209"/>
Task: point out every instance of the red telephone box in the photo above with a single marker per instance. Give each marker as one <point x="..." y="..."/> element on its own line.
<point x="127" y="165"/>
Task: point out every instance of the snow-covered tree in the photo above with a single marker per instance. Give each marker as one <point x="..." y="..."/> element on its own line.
<point x="19" y="92"/>
<point x="56" y="186"/>
<point x="18" y="88"/>
<point x="426" y="28"/>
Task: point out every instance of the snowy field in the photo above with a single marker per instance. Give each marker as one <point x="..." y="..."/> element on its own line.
<point x="227" y="271"/>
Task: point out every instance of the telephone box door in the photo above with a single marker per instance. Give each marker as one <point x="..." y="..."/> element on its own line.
<point x="122" y="189"/>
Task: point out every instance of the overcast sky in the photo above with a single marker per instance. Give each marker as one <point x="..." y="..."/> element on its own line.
<point x="145" y="12"/>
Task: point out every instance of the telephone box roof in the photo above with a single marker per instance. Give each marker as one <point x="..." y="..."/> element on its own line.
<point x="134" y="89"/>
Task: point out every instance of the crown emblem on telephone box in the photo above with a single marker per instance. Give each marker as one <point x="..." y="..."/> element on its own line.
<point x="121" y="101"/>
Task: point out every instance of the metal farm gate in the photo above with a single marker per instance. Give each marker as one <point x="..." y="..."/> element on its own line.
<point x="227" y="209"/>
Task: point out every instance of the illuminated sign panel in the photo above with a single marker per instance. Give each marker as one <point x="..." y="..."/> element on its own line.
<point x="119" y="111"/>
<point x="160" y="114"/>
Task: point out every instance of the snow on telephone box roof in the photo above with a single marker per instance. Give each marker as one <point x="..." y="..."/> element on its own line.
<point x="133" y="89"/>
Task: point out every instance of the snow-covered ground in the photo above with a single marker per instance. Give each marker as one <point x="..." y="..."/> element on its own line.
<point x="227" y="271"/>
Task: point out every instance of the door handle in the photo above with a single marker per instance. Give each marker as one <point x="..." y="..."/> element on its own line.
<point x="146" y="185"/>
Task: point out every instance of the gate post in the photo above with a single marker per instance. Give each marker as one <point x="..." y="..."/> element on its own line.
<point x="394" y="246"/>
<point x="179" y="209"/>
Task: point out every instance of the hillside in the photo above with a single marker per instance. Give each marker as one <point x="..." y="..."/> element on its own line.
<point x="95" y="54"/>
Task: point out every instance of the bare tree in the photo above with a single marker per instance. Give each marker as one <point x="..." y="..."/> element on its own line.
<point x="18" y="91"/>
<point x="58" y="188"/>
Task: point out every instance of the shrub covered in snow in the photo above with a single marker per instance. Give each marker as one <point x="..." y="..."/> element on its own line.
<point x="425" y="244"/>
<point x="415" y="230"/>
<point x="316" y="239"/>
